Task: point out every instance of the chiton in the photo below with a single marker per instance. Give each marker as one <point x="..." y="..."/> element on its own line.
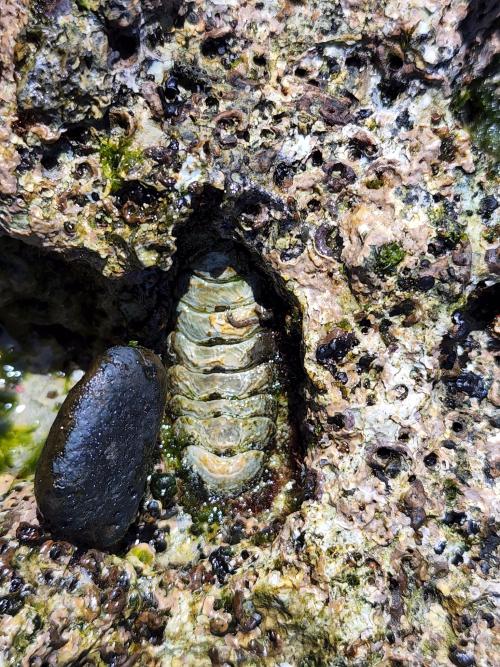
<point x="226" y="400"/>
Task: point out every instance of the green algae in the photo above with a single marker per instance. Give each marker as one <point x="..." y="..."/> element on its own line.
<point x="451" y="490"/>
<point x="478" y="107"/>
<point x="387" y="257"/>
<point x="491" y="234"/>
<point x="266" y="599"/>
<point x="172" y="447"/>
<point x="374" y="183"/>
<point x="142" y="554"/>
<point x="206" y="516"/>
<point x="89" y="5"/>
<point x="117" y="158"/>
<point x="225" y="601"/>
<point x="344" y="324"/>
<point x="352" y="579"/>
<point x="206" y="513"/>
<point x="19" y="446"/>
<point x="15" y="441"/>
<point x="19" y="450"/>
<point x="263" y="537"/>
<point x="448" y="228"/>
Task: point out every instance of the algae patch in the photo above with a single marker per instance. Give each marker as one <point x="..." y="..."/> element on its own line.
<point x="17" y="448"/>
<point x="29" y="402"/>
<point x="478" y="107"/>
<point x="117" y="158"/>
<point x="387" y="257"/>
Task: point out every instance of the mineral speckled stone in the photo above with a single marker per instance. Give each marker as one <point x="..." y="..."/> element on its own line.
<point x="93" y="468"/>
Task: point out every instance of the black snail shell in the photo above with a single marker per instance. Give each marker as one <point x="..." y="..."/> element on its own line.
<point x="93" y="468"/>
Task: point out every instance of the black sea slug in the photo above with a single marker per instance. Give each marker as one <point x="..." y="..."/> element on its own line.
<point x="223" y="397"/>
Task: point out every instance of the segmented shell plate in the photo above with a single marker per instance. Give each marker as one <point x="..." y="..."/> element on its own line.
<point x="221" y="398"/>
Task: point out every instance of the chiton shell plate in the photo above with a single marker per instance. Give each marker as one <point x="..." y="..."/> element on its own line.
<point x="222" y="400"/>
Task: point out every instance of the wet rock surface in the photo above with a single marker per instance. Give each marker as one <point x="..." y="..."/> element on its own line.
<point x="92" y="471"/>
<point x="350" y="149"/>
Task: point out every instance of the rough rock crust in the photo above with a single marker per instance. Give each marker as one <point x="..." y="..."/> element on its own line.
<point x="350" y="148"/>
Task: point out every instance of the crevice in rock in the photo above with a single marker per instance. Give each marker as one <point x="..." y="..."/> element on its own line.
<point x="69" y="302"/>
<point x="204" y="234"/>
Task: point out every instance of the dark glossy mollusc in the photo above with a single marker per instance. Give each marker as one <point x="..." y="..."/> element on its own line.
<point x="93" y="468"/>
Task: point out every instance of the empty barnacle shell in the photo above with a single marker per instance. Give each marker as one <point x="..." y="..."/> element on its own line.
<point x="121" y="119"/>
<point x="86" y="168"/>
<point x="131" y="213"/>
<point x="230" y="115"/>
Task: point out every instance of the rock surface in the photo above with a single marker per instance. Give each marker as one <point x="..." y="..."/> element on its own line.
<point x="92" y="471"/>
<point x="349" y="147"/>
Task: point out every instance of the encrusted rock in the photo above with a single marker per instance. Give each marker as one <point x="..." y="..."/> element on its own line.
<point x="92" y="471"/>
<point x="349" y="150"/>
<point x="68" y="76"/>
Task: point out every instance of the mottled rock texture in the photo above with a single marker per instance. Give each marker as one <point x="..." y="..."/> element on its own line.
<point x="350" y="148"/>
<point x="92" y="471"/>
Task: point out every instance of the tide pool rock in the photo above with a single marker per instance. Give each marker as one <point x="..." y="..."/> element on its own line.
<point x="93" y="468"/>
